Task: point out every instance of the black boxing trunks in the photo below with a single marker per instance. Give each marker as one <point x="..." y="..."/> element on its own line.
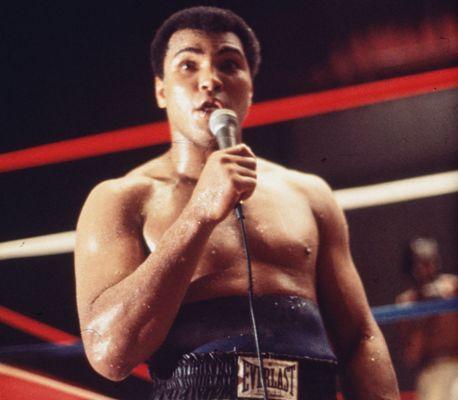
<point x="210" y="352"/>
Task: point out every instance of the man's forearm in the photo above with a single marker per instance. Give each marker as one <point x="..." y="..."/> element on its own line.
<point x="128" y="321"/>
<point x="368" y="372"/>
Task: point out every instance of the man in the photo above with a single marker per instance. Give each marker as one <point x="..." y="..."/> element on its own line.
<point x="159" y="262"/>
<point x="431" y="344"/>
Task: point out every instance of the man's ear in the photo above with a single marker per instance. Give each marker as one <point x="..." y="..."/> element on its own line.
<point x="250" y="102"/>
<point x="159" y="92"/>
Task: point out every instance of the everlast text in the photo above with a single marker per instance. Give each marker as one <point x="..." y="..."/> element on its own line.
<point x="280" y="377"/>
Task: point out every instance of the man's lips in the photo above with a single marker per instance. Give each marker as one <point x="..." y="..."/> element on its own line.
<point x="209" y="105"/>
<point x="205" y="109"/>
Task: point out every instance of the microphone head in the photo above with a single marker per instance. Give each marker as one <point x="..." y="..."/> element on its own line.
<point x="220" y="118"/>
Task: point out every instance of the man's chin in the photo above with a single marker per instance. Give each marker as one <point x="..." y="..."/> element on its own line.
<point x="202" y="137"/>
<point x="202" y="131"/>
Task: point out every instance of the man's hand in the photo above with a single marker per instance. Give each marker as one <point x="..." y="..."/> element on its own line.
<point x="228" y="177"/>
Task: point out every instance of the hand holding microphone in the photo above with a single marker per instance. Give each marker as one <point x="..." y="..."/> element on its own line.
<point x="229" y="176"/>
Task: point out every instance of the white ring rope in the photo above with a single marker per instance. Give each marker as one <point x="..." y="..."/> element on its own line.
<point x="349" y="199"/>
<point x="46" y="245"/>
<point x="398" y="191"/>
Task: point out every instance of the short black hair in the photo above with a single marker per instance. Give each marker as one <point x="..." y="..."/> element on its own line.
<point x="207" y="19"/>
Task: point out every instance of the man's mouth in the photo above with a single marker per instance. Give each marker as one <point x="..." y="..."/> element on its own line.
<point x="207" y="107"/>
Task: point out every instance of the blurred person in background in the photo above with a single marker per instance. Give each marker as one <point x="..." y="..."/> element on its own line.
<point x="430" y="344"/>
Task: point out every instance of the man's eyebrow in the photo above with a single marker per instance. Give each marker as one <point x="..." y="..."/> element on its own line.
<point x="230" y="49"/>
<point x="195" y="50"/>
<point x="222" y="51"/>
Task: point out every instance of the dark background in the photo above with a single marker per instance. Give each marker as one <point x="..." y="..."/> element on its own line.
<point x="77" y="68"/>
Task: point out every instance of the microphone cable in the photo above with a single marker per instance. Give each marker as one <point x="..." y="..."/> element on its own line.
<point x="241" y="218"/>
<point x="223" y="123"/>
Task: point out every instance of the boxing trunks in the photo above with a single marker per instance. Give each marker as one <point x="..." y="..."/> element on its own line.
<point x="210" y="353"/>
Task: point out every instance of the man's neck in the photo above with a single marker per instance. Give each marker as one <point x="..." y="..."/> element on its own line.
<point x="188" y="158"/>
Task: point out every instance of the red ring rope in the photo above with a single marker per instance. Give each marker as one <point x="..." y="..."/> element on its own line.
<point x="50" y="334"/>
<point x="263" y="113"/>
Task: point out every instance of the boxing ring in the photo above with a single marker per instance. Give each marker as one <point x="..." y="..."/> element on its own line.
<point x="17" y="381"/>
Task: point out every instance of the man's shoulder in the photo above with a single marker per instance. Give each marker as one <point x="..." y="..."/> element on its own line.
<point x="312" y="187"/>
<point x="137" y="184"/>
<point x="301" y="180"/>
<point x="125" y="192"/>
<point x="448" y="284"/>
<point x="448" y="277"/>
<point x="407" y="296"/>
<point x="124" y="187"/>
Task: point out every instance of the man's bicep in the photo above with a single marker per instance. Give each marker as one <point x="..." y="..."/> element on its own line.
<point x="340" y="291"/>
<point x="109" y="247"/>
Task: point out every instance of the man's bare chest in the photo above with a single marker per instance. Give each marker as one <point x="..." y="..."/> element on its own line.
<point x="281" y="228"/>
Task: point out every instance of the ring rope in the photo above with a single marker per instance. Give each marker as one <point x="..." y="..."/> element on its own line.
<point x="50" y="334"/>
<point x="263" y="113"/>
<point x="349" y="199"/>
<point x="387" y="314"/>
<point x="396" y="312"/>
<point x="398" y="191"/>
<point x="16" y="378"/>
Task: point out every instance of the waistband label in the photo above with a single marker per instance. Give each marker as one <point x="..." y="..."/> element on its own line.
<point x="280" y="376"/>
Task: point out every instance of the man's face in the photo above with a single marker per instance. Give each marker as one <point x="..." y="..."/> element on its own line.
<point x="424" y="270"/>
<point x="203" y="71"/>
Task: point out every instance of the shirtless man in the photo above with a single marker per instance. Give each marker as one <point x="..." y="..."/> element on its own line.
<point x="159" y="259"/>
<point x="431" y="344"/>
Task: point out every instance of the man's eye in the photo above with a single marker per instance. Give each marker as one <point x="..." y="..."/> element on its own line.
<point x="229" y="66"/>
<point x="188" y="65"/>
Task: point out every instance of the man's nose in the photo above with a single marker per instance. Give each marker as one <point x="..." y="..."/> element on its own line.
<point x="209" y="80"/>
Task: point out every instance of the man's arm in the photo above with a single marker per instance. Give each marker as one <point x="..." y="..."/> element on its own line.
<point x="127" y="297"/>
<point x="365" y="365"/>
<point x="411" y="335"/>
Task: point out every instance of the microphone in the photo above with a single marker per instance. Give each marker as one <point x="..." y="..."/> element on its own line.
<point x="223" y="123"/>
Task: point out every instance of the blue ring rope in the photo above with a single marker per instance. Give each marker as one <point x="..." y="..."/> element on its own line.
<point x="395" y="312"/>
<point x="383" y="315"/>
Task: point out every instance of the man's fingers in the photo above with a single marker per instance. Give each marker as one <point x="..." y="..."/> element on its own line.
<point x="245" y="186"/>
<point x="247" y="162"/>
<point x="241" y="149"/>
<point x="244" y="172"/>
